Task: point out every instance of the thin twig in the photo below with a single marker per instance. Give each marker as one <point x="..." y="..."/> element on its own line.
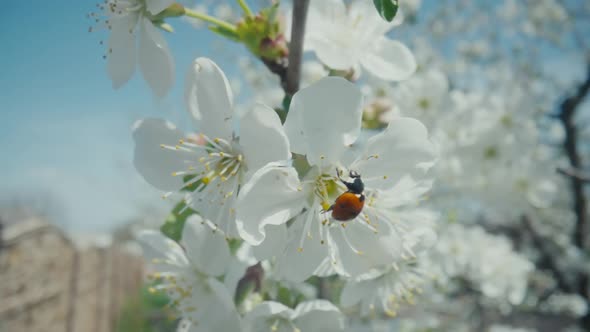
<point x="574" y="173"/>
<point x="296" y="46"/>
<point x="547" y="259"/>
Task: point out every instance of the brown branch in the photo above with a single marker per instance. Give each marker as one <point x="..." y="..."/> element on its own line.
<point x="574" y="173"/>
<point x="547" y="259"/>
<point x="296" y="46"/>
<point x="568" y="110"/>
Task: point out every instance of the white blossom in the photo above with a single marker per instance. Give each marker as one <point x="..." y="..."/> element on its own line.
<point x="187" y="274"/>
<point x="324" y="119"/>
<point x="387" y="289"/>
<point x="131" y="19"/>
<point x="212" y="171"/>
<point x="317" y="315"/>
<point x="347" y="38"/>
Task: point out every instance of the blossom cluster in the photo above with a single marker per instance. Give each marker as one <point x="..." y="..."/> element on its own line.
<point x="316" y="211"/>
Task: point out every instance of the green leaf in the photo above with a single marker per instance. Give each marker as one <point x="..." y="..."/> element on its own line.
<point x="146" y="311"/>
<point x="174" y="224"/>
<point x="386" y="8"/>
<point x="284" y="296"/>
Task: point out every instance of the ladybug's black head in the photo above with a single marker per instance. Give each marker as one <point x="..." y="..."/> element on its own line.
<point x="356" y="186"/>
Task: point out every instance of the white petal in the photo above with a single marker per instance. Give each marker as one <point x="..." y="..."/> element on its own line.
<point x="376" y="249"/>
<point x="324" y="119"/>
<point x="405" y="191"/>
<point x="155" y="61"/>
<point x="403" y="149"/>
<point x="156" y="6"/>
<point x="153" y="162"/>
<point x="264" y="315"/>
<point x="209" y="98"/>
<point x="234" y="273"/>
<point x="325" y="36"/>
<point x="273" y="244"/>
<point x="270" y="197"/>
<point x="333" y="56"/>
<point x="320" y="16"/>
<point x="205" y="247"/>
<point x="297" y="265"/>
<point x="122" y="58"/>
<point x="318" y="315"/>
<point x="217" y="207"/>
<point x="270" y="308"/>
<point x="352" y="293"/>
<point x="157" y="246"/>
<point x="328" y="9"/>
<point x="216" y="310"/>
<point x="262" y="137"/>
<point x="389" y="60"/>
<point x="364" y="14"/>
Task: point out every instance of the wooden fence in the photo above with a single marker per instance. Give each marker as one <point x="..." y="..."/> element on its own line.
<point x="47" y="284"/>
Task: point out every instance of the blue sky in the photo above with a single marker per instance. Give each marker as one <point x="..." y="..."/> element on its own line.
<point x="64" y="131"/>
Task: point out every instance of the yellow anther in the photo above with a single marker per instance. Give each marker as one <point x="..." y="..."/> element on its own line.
<point x="325" y="205"/>
<point x="299" y="249"/>
<point x="152" y="290"/>
<point x="206" y="180"/>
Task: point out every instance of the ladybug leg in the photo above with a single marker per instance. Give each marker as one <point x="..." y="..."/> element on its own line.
<point x="361" y="198"/>
<point x="328" y="210"/>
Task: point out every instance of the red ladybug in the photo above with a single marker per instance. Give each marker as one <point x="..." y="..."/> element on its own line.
<point x="350" y="204"/>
